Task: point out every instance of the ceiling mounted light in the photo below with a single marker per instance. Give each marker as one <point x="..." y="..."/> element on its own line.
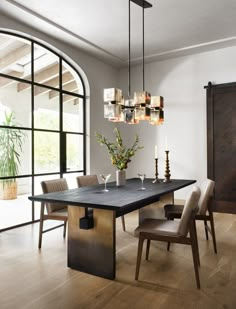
<point x="142" y="106"/>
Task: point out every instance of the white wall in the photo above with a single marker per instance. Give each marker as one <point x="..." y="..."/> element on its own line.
<point x="97" y="76"/>
<point x="181" y="81"/>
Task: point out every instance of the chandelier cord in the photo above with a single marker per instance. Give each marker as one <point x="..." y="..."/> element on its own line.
<point x="129" y="73"/>
<point x="143" y="50"/>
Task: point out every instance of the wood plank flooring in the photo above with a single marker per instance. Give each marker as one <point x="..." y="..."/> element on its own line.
<point x="32" y="279"/>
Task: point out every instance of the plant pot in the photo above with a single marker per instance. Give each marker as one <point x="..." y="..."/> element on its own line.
<point x="8" y="191"/>
<point x="120" y="178"/>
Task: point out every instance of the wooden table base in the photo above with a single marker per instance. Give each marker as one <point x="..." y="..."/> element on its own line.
<point x="92" y="251"/>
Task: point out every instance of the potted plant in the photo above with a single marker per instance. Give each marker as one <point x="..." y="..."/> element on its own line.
<point x="11" y="141"/>
<point x="120" y="154"/>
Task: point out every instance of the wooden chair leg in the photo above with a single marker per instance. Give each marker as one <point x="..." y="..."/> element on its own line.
<point x="139" y="255"/>
<point x="195" y="254"/>
<point x="41" y="226"/>
<point x="64" y="230"/>
<point x="168" y="244"/>
<point x="196" y="240"/>
<point x="195" y="262"/>
<point x="206" y="229"/>
<point x="123" y="222"/>
<point x="213" y="231"/>
<point x="148" y="248"/>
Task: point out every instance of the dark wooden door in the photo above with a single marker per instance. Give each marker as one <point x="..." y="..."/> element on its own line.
<point x="221" y="144"/>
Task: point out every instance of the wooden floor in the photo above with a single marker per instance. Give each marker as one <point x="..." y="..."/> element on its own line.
<point x="32" y="279"/>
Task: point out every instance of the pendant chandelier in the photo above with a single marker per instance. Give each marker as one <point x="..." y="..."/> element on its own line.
<point x="142" y="106"/>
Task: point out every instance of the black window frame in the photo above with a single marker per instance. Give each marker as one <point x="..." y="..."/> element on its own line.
<point x="62" y="134"/>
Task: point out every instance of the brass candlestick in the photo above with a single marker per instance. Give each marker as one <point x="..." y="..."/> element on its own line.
<point x="156" y="171"/>
<point x="167" y="171"/>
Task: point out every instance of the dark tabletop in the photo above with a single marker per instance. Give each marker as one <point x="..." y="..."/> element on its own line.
<point x="121" y="199"/>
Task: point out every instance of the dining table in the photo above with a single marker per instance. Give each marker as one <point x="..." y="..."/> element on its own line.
<point x="92" y="214"/>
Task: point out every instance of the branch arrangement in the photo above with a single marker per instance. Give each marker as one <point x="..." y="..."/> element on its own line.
<point x="120" y="154"/>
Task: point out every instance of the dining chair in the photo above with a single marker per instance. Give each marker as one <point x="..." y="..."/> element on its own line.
<point x="54" y="211"/>
<point x="181" y="232"/>
<point x="204" y="214"/>
<point x="90" y="180"/>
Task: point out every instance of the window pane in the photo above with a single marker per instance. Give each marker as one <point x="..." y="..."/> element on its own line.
<point x="72" y="114"/>
<point x="15" y="55"/>
<point x="71" y="80"/>
<point x="14" y="99"/>
<point x="46" y="110"/>
<point x="46" y="67"/>
<point x="46" y="152"/>
<point x="17" y="209"/>
<point x="74" y="152"/>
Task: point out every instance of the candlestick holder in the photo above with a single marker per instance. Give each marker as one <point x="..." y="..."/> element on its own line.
<point x="156" y="171"/>
<point x="167" y="171"/>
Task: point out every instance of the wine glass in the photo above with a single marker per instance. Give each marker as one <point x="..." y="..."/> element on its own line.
<point x="105" y="178"/>
<point x="142" y="177"/>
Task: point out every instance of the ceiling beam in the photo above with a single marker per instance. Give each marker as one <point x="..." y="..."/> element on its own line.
<point x="47" y="73"/>
<point x="72" y="86"/>
<point x="7" y="81"/>
<point x="68" y="98"/>
<point x="44" y="76"/>
<point x="67" y="77"/>
<point x="14" y="56"/>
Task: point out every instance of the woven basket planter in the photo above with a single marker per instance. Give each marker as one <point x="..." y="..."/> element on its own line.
<point x="8" y="191"/>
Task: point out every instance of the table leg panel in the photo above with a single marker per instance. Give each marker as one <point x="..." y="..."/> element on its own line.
<point x="93" y="250"/>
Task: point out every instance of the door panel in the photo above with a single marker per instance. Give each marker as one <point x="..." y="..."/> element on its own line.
<point x="221" y="113"/>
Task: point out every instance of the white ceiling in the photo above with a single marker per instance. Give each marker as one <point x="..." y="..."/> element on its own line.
<point x="100" y="27"/>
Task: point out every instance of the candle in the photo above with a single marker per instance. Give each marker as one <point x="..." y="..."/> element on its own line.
<point x="155" y="151"/>
<point x="166" y="144"/>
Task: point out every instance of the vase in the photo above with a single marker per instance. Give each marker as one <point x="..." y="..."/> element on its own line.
<point x="120" y="178"/>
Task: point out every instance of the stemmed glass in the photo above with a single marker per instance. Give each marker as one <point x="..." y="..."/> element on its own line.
<point x="142" y="177"/>
<point x="105" y="178"/>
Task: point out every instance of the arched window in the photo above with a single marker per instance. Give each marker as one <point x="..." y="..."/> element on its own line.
<point x="42" y="123"/>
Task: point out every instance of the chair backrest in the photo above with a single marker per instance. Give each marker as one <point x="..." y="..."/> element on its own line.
<point x="87" y="180"/>
<point x="54" y="185"/>
<point x="206" y="189"/>
<point x="190" y="208"/>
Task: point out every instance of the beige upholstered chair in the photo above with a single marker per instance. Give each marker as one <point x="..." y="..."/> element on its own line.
<point x="87" y="180"/>
<point x="172" y="231"/>
<point x="90" y="180"/>
<point x="205" y="212"/>
<point x="54" y="211"/>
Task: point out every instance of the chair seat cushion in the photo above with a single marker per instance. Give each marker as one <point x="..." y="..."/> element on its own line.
<point x="158" y="226"/>
<point x="173" y="211"/>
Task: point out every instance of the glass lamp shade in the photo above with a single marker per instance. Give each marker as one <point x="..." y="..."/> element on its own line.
<point x="142" y="97"/>
<point x="142" y="113"/>
<point x="156" y="116"/>
<point x="112" y="111"/>
<point x="129" y="116"/>
<point x="157" y="101"/>
<point x="120" y="118"/>
<point x="129" y="102"/>
<point x="112" y="95"/>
